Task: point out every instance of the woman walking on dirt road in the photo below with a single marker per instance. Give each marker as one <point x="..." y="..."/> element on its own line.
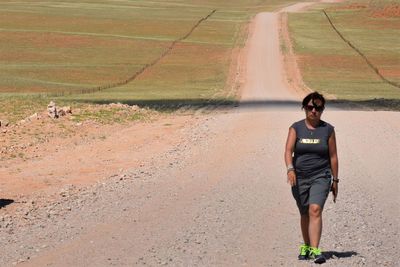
<point x="312" y="171"/>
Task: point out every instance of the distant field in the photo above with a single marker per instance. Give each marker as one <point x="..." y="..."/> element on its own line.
<point x="331" y="66"/>
<point x="67" y="47"/>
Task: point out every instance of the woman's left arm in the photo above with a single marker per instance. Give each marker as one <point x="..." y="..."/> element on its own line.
<point x="334" y="164"/>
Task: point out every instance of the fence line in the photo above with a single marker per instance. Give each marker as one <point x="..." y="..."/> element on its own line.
<point x="375" y="69"/>
<point x="141" y="70"/>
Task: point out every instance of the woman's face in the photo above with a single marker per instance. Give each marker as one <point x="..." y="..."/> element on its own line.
<point x="314" y="110"/>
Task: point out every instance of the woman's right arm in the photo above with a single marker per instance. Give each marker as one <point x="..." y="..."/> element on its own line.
<point x="290" y="142"/>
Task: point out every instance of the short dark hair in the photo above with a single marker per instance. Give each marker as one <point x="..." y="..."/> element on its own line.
<point x="313" y="96"/>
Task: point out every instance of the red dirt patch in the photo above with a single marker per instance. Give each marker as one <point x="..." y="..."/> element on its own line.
<point x="42" y="155"/>
<point x="395" y="73"/>
<point x="389" y="11"/>
<point x="354" y="6"/>
<point x="327" y="61"/>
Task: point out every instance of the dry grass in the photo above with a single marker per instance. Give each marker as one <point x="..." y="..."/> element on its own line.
<point x="330" y="65"/>
<point x="54" y="47"/>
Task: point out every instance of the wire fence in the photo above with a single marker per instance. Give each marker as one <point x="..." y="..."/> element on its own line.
<point x="141" y="70"/>
<point x="372" y="66"/>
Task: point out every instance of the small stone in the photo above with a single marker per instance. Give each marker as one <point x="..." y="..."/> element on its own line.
<point x="4" y="123"/>
<point x="52" y="110"/>
<point x="61" y="113"/>
<point x="135" y="107"/>
<point x="67" y="109"/>
<point x="34" y="116"/>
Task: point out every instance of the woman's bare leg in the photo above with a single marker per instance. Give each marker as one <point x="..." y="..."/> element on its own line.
<point x="315" y="224"/>
<point x="305" y="222"/>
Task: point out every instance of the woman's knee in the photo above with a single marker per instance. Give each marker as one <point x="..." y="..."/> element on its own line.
<point x="314" y="210"/>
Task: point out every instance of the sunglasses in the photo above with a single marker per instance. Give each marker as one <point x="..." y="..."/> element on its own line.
<point x="311" y="107"/>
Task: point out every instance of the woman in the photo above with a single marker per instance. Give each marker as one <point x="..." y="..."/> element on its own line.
<point x="312" y="170"/>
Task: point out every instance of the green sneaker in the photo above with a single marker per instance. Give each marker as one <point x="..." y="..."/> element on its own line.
<point x="316" y="255"/>
<point x="304" y="252"/>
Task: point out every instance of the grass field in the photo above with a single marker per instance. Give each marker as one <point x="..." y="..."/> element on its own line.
<point x="60" y="49"/>
<point x="55" y="50"/>
<point x="331" y="66"/>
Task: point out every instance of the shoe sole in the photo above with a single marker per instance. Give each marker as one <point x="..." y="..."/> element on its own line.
<point x="320" y="261"/>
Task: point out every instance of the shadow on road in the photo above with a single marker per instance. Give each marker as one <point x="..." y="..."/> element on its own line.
<point x="5" y="202"/>
<point x="175" y="104"/>
<point x="335" y="254"/>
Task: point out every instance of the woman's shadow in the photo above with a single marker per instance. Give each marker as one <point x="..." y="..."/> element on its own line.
<point x="335" y="254"/>
<point x="4" y="202"/>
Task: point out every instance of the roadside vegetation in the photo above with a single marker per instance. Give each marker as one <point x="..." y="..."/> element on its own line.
<point x="331" y="66"/>
<point x="71" y="51"/>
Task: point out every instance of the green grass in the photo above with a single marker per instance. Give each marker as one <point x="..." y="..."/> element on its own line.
<point x="331" y="66"/>
<point x="110" y="115"/>
<point x="49" y="48"/>
<point x="14" y="107"/>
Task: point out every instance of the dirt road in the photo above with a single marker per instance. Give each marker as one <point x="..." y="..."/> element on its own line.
<point x="220" y="198"/>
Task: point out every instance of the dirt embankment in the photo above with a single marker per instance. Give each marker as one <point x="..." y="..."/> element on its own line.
<point x="41" y="156"/>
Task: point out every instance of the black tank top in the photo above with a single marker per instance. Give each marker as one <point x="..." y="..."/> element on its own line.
<point x="311" y="152"/>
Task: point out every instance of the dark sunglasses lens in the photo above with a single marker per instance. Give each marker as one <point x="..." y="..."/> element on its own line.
<point x="310" y="108"/>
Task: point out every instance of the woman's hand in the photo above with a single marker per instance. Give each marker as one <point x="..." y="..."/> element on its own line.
<point x="334" y="189"/>
<point x="334" y="164"/>
<point x="291" y="178"/>
<point x="290" y="142"/>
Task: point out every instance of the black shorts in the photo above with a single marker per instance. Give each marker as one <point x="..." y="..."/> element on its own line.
<point x="312" y="190"/>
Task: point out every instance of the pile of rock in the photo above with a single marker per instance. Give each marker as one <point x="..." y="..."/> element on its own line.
<point x="3" y="125"/>
<point x="124" y="106"/>
<point x="55" y="112"/>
